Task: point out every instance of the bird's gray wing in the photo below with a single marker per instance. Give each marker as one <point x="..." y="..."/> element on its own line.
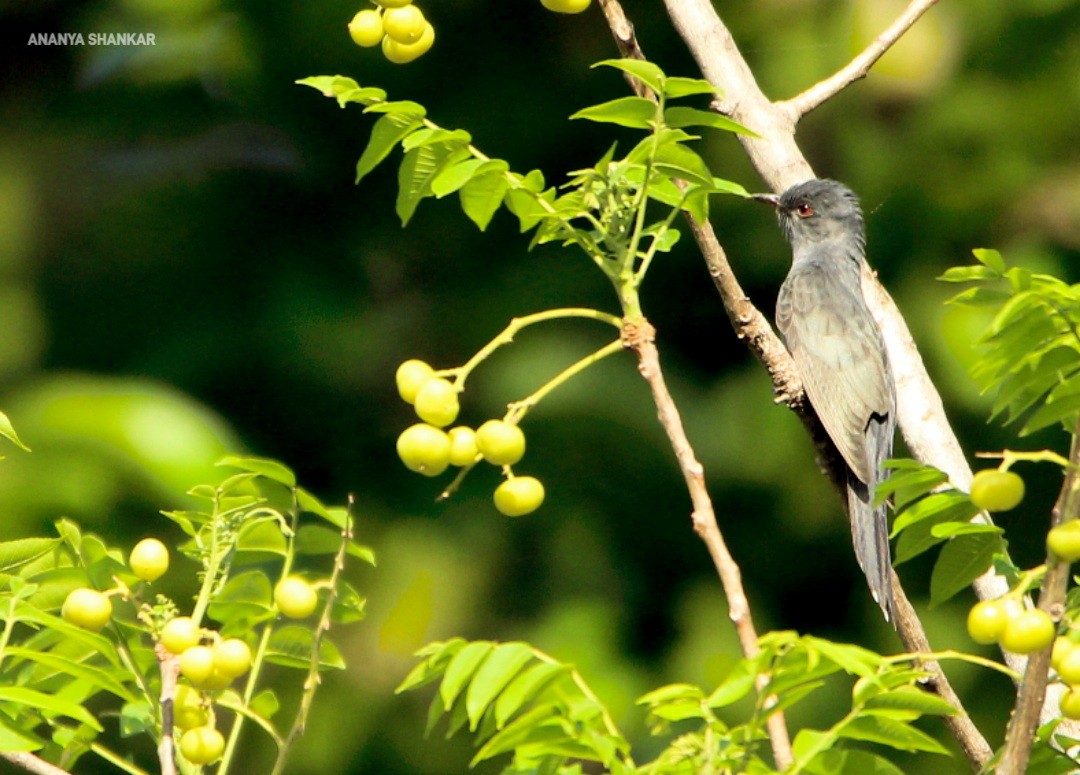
<point x="838" y="350"/>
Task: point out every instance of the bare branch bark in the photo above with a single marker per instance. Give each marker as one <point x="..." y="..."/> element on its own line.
<point x="858" y="67"/>
<point x="778" y="159"/>
<point x="1031" y="699"/>
<point x="33" y="764"/>
<point x="640" y="337"/>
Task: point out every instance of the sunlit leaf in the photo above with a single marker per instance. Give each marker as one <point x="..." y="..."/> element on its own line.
<point x="962" y="560"/>
<point x="633" y="112"/>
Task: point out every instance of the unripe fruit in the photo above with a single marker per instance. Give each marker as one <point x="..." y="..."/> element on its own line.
<point x="996" y="490"/>
<point x="1063" y="541"/>
<point x="392" y="3"/>
<point x="463" y="449"/>
<point x="366" y="28"/>
<point x="1068" y="664"/>
<point x="295" y="597"/>
<point x="188" y="708"/>
<point x="179" y="634"/>
<point x="412" y="374"/>
<point x="232" y="657"/>
<point x="566" y="6"/>
<point x="500" y="442"/>
<point x="87" y="608"/>
<point x="149" y="559"/>
<point x="1070" y="704"/>
<point x="402" y="53"/>
<point x="1063" y="646"/>
<point x="437" y="401"/>
<point x="202" y="745"/>
<point x="986" y="621"/>
<point x="405" y="24"/>
<point x="1028" y="631"/>
<point x="197" y="664"/>
<point x="518" y="496"/>
<point x="424" y="448"/>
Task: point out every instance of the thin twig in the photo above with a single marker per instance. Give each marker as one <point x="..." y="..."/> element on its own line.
<point x="311" y="683"/>
<point x="33" y="764"/>
<point x="170" y="671"/>
<point x="639" y="336"/>
<point x="1030" y="699"/>
<point x="858" y="67"/>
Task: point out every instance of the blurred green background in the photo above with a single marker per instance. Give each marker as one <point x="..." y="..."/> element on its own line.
<point x="186" y="269"/>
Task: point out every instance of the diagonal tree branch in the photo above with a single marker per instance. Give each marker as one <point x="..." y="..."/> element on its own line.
<point x="780" y="162"/>
<point x="858" y="67"/>
<point x="1031" y="699"/>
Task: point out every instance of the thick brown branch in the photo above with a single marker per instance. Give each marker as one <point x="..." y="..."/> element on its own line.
<point x="1030" y="700"/>
<point x="858" y="67"/>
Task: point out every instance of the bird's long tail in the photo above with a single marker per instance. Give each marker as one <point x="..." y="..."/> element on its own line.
<point x="869" y="525"/>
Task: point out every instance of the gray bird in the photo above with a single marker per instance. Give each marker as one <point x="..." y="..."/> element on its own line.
<point x="838" y="350"/>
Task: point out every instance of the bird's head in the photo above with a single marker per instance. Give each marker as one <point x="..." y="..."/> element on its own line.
<point x="818" y="210"/>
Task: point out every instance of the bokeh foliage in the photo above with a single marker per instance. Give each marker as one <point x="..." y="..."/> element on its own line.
<point x="187" y="270"/>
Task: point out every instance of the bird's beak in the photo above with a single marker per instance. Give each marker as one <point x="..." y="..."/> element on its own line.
<point x="769" y="199"/>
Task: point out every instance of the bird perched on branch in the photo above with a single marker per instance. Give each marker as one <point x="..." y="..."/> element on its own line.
<point x="840" y="355"/>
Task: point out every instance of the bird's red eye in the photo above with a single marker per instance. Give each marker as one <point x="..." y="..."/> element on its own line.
<point x="804" y="210"/>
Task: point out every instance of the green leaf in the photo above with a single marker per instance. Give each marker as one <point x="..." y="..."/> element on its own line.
<point x="432" y="135"/>
<point x="461" y="669"/>
<point x="736" y="685"/>
<point x="501" y="666"/>
<point x="678" y="86"/>
<point x="950" y="529"/>
<point x="540" y="725"/>
<point x="646" y="72"/>
<point x="454" y="176"/>
<point x="245" y="596"/>
<point x="678" y="117"/>
<point x="262" y="535"/>
<point x="419" y="167"/>
<point x="345" y="90"/>
<point x="895" y="734"/>
<point x="847" y="656"/>
<point x="265" y="704"/>
<point x="633" y="112"/>
<point x="316" y="539"/>
<point x="14" y="740"/>
<point x="435" y="656"/>
<point x="678" y="161"/>
<point x="962" y="560"/>
<point x="349" y="605"/>
<point x="7" y="430"/>
<point x="964" y="274"/>
<point x="908" y="482"/>
<point x="1062" y="410"/>
<point x="292" y="646"/>
<point x="481" y="196"/>
<point x="952" y="505"/>
<point x="838" y="761"/>
<point x="268" y="469"/>
<point x="47" y="703"/>
<point x="310" y="504"/>
<point x="401" y="107"/>
<point x="526" y="686"/>
<point x="912" y="699"/>
<point x="990" y="258"/>
<point x="15" y="554"/>
<point x="387" y="132"/>
<point x="100" y="678"/>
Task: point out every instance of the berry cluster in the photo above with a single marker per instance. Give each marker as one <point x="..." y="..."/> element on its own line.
<point x="398" y="25"/>
<point x="429" y="450"/>
<point x="206" y="660"/>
